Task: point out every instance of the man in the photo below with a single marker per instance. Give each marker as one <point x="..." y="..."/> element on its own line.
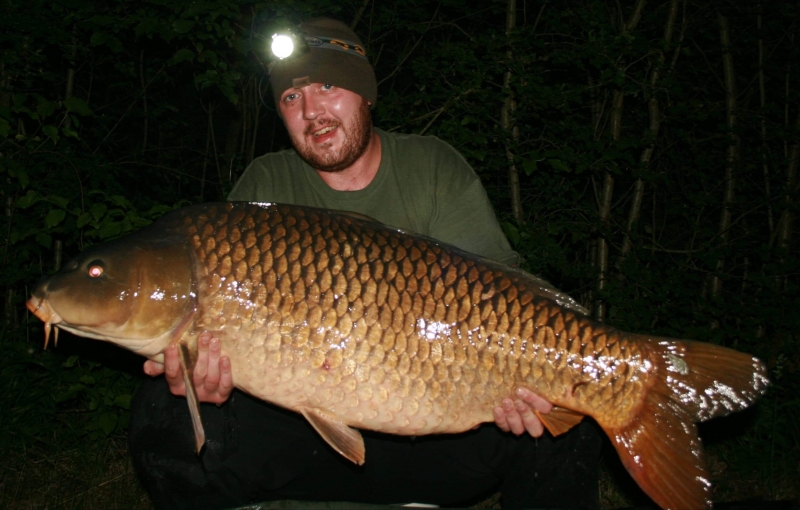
<point x="256" y="452"/>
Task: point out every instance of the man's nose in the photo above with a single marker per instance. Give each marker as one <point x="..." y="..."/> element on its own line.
<point x="312" y="107"/>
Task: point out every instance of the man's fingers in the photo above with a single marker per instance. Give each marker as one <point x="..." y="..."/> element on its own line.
<point x="172" y="371"/>
<point x="500" y="419"/>
<point x="225" y="378"/>
<point x="201" y="365"/>
<point x="211" y="382"/>
<point x="153" y="368"/>
<point x="533" y="400"/>
<point x="213" y="378"/>
<point x="529" y="420"/>
<point x="512" y="417"/>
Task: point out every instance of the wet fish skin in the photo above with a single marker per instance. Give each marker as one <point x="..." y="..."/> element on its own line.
<point x="354" y="324"/>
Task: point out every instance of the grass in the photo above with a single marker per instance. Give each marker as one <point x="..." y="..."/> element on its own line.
<point x="91" y="475"/>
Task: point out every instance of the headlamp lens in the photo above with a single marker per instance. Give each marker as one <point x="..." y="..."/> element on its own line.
<point x="282" y="46"/>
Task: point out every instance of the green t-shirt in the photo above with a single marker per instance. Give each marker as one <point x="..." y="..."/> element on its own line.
<point x="423" y="185"/>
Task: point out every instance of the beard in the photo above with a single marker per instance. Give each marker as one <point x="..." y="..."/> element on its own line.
<point x="358" y="134"/>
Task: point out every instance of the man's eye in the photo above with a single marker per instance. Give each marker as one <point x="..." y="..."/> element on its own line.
<point x="289" y="98"/>
<point x="327" y="86"/>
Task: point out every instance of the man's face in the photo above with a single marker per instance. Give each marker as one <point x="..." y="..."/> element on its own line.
<point x="330" y="127"/>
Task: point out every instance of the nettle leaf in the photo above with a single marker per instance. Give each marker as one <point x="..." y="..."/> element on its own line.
<point x="108" y="422"/>
<point x="114" y="44"/>
<point x="54" y="217"/>
<point x="182" y="26"/>
<point x="512" y="233"/>
<point x="5" y="128"/>
<point x="559" y="165"/>
<point x="44" y="239"/>
<point x="30" y="198"/>
<point x="45" y="108"/>
<point x="529" y="166"/>
<point x="83" y="220"/>
<point x="121" y="201"/>
<point x="123" y="401"/>
<point x="98" y="211"/>
<point x="59" y="201"/>
<point x="147" y="26"/>
<point x="71" y="361"/>
<point x="77" y="105"/>
<point x="98" y="38"/>
<point x="109" y="230"/>
<point x="71" y="133"/>
<point x="182" y="55"/>
<point x="51" y="132"/>
<point x="20" y="174"/>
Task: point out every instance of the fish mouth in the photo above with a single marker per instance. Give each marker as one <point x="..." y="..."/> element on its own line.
<point x="44" y="312"/>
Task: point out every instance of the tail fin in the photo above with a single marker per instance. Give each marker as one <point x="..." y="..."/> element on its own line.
<point x="660" y="447"/>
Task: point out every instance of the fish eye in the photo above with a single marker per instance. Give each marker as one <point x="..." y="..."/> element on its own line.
<point x="95" y="269"/>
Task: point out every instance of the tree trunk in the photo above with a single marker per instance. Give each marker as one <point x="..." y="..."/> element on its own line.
<point x="357" y="17"/>
<point x="9" y="298"/>
<point x="69" y="86"/>
<point x="786" y="223"/>
<point x="232" y="142"/>
<point x="652" y="132"/>
<point x="5" y="85"/>
<point x="507" y="119"/>
<point x="607" y="190"/>
<point x="144" y="99"/>
<point x="763" y="102"/>
<point x="256" y="121"/>
<point x="206" y="155"/>
<point x="732" y="157"/>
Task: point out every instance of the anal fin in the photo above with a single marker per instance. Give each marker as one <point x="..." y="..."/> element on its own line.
<point x="342" y="438"/>
<point x="559" y="420"/>
<point x="191" y="398"/>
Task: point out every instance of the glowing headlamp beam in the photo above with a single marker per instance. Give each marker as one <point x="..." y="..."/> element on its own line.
<point x="282" y="46"/>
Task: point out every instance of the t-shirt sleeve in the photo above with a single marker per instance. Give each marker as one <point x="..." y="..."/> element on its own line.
<point x="462" y="213"/>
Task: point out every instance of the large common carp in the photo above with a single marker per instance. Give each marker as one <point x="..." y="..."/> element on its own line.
<point x="358" y="325"/>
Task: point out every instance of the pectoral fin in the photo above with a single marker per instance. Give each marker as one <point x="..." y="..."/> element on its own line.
<point x="342" y="438"/>
<point x="559" y="420"/>
<point x="191" y="398"/>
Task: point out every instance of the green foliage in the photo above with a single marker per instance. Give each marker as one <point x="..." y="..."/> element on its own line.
<point x="46" y="397"/>
<point x="168" y="102"/>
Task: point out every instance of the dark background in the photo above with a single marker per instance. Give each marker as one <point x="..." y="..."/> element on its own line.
<point x="641" y="155"/>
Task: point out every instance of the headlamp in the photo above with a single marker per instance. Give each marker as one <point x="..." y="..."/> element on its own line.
<point x="291" y="43"/>
<point x="288" y="43"/>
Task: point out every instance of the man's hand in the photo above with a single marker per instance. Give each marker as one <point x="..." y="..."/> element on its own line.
<point x="212" y="373"/>
<point x="517" y="416"/>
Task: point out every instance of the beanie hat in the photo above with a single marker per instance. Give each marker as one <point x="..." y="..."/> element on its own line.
<point x="322" y="65"/>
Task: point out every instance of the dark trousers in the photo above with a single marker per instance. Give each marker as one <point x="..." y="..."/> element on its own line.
<point x="257" y="452"/>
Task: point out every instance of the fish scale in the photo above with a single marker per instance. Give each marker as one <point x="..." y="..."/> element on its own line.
<point x="355" y="324"/>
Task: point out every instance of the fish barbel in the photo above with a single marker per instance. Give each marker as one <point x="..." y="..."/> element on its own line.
<point x="357" y="325"/>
